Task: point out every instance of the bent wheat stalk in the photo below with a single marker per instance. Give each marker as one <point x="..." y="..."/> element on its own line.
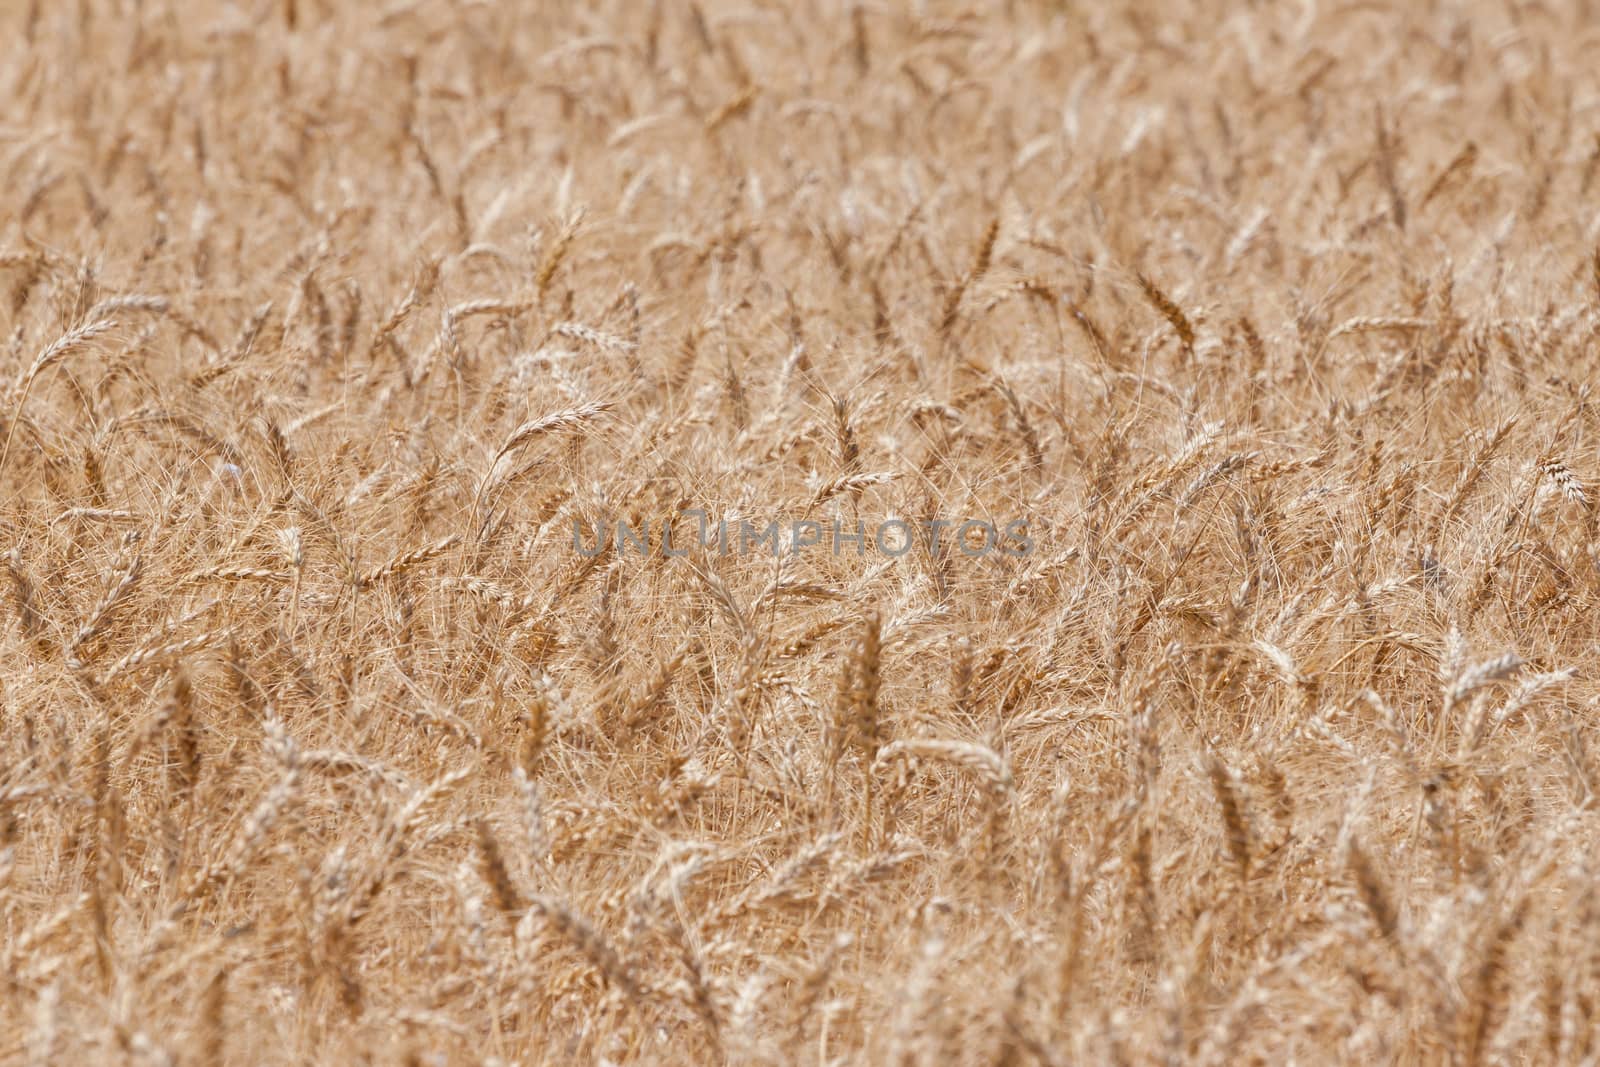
<point x="62" y="347"/>
<point x="556" y="422"/>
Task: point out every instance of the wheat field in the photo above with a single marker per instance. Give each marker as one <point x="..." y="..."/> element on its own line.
<point x="354" y="358"/>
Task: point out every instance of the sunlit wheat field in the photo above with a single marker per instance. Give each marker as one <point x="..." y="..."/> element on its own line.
<point x="824" y="532"/>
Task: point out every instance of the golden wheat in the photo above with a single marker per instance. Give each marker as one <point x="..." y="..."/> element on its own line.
<point x="834" y="532"/>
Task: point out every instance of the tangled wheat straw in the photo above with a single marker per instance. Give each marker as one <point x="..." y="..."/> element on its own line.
<point x="324" y="325"/>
